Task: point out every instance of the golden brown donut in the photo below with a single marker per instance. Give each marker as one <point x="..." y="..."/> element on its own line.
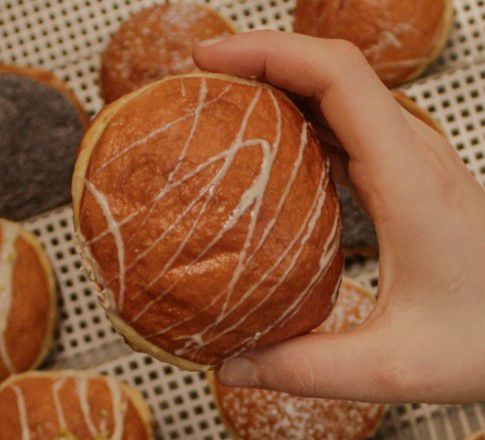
<point x="70" y="404"/>
<point x="206" y="211"/>
<point x="254" y="414"/>
<point x="413" y="108"/>
<point x="27" y="301"/>
<point x="157" y="42"/>
<point x="51" y="80"/>
<point x="400" y="38"/>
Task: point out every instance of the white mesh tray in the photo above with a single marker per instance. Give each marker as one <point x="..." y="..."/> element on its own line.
<point x="67" y="36"/>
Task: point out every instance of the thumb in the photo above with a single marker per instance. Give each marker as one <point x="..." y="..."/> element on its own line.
<point x="353" y="365"/>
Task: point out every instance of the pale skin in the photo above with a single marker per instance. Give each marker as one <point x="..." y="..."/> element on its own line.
<point x="425" y="340"/>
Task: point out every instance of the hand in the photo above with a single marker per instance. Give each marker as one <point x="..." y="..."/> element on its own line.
<point x="425" y="340"/>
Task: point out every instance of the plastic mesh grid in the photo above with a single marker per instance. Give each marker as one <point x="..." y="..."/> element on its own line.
<point x="67" y="37"/>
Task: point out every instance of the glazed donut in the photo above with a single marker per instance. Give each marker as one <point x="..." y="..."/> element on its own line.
<point x="41" y="126"/>
<point x="256" y="414"/>
<point x="205" y="209"/>
<point x="400" y="38"/>
<point x="359" y="236"/>
<point x="27" y="301"/>
<point x="157" y="42"/>
<point x="70" y="404"/>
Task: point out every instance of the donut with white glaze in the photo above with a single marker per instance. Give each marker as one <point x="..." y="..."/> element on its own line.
<point x="207" y="214"/>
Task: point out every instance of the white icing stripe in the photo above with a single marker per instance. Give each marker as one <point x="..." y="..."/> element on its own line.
<point x="325" y="262"/>
<point x="119" y="409"/>
<point x="82" y="392"/>
<point x="309" y="223"/>
<point x="294" y="171"/>
<point x="296" y="165"/>
<point x="276" y="264"/>
<point x="7" y="261"/>
<point x="24" y="425"/>
<point x="158" y="131"/>
<point x="114" y="228"/>
<point x="183" y="152"/>
<point x="230" y="154"/>
<point x="56" y="387"/>
<point x="173" y="185"/>
<point x="204" y="191"/>
<point x="183" y="91"/>
<point x="223" y="314"/>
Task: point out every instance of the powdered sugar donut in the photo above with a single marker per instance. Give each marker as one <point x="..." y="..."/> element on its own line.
<point x="254" y="414"/>
<point x="207" y="214"/>
<point x="157" y="42"/>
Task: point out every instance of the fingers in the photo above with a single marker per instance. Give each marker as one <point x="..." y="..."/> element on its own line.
<point x="358" y="107"/>
<point x="344" y="366"/>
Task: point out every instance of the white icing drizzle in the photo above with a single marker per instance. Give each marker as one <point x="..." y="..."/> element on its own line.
<point x="119" y="408"/>
<point x="246" y="200"/>
<point x="82" y="392"/>
<point x="180" y="182"/>
<point x="56" y="386"/>
<point x="229" y="156"/>
<point x="7" y="261"/>
<point x="114" y="228"/>
<point x="22" y="412"/>
<point x="309" y="224"/>
<point x="183" y="152"/>
<point x="329" y="252"/>
<point x="158" y="131"/>
<point x="279" y="260"/>
<point x="250" y="200"/>
<point x="183" y="91"/>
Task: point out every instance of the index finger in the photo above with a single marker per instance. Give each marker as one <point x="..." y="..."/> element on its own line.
<point x="357" y="106"/>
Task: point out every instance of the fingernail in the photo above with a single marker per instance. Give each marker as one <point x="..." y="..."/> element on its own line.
<point x="239" y="372"/>
<point x="210" y="41"/>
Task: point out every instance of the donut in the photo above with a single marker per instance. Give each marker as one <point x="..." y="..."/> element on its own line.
<point x="257" y="414"/>
<point x="206" y="212"/>
<point x="27" y="301"/>
<point x="359" y="236"/>
<point x="157" y="42"/>
<point x="70" y="404"/>
<point x="413" y="108"/>
<point x="41" y="126"/>
<point x="400" y="38"/>
<point x="477" y="436"/>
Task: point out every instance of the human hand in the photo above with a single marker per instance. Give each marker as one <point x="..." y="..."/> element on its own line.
<point x="425" y="340"/>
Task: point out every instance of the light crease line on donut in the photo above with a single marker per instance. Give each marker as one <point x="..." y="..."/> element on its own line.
<point x="157" y="131"/>
<point x="56" y="386"/>
<point x="82" y="393"/>
<point x="24" y="425"/>
<point x="114" y="228"/>
<point x="119" y="408"/>
<point x="8" y="256"/>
